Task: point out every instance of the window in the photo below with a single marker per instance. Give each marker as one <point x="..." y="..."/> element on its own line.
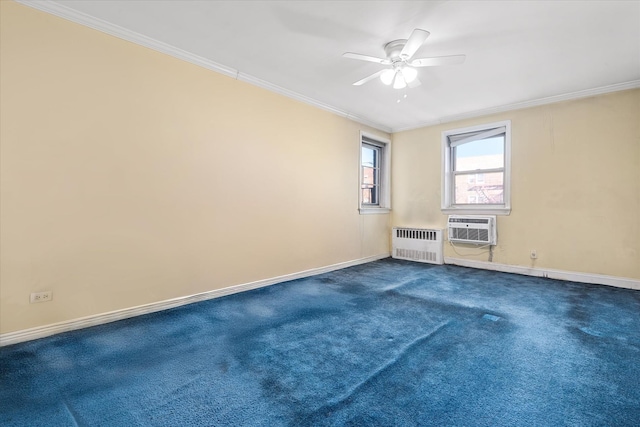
<point x="476" y="169"/>
<point x="374" y="174"/>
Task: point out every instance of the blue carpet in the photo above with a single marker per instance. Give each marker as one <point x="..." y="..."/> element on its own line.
<point x="388" y="343"/>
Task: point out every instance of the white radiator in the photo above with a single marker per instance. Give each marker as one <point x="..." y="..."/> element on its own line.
<point x="417" y="244"/>
<point x="477" y="230"/>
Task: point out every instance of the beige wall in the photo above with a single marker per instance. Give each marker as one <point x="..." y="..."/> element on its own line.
<point x="575" y="185"/>
<point x="128" y="177"/>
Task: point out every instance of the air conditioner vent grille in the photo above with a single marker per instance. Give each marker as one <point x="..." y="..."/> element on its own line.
<point x="474" y="230"/>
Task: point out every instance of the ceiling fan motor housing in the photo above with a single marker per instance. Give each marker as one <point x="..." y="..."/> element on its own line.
<point x="394" y="48"/>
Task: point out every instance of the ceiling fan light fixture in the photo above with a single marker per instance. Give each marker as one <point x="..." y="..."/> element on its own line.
<point x="387" y="76"/>
<point x="399" y="56"/>
<point x="409" y="74"/>
<point x="399" y="82"/>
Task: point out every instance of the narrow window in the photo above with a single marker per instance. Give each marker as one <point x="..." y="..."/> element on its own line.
<point x="370" y="175"/>
<point x="374" y="174"/>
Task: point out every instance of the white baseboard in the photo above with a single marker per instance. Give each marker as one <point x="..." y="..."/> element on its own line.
<point x="572" y="276"/>
<point x="112" y="316"/>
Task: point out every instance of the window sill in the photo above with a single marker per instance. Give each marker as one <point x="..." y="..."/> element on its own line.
<point x="374" y="211"/>
<point x="489" y="210"/>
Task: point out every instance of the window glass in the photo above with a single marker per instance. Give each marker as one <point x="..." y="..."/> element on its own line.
<point x="370" y="175"/>
<point x="484" y="187"/>
<point x="483" y="154"/>
<point x="489" y="191"/>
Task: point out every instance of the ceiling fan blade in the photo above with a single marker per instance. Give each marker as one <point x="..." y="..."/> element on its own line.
<point x="369" y="78"/>
<point x="360" y="57"/>
<point x="416" y="40"/>
<point x="414" y="83"/>
<point x="438" y="60"/>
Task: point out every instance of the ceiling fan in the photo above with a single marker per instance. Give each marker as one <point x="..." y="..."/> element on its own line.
<point x="403" y="68"/>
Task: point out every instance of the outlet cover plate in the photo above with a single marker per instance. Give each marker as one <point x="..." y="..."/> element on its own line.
<point x="41" y="297"/>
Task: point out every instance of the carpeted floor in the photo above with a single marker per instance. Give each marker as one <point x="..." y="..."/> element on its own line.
<point x="389" y="343"/>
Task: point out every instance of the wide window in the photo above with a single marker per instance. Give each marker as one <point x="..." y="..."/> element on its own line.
<point x="374" y="174"/>
<point x="476" y="168"/>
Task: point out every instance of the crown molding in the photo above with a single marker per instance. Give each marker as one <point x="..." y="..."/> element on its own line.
<point x="298" y="97"/>
<point x="633" y="84"/>
<point x="81" y="18"/>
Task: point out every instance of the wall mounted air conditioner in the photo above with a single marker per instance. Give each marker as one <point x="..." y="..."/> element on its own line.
<point x="473" y="229"/>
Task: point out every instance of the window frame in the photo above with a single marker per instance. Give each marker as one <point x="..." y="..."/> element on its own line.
<point x="448" y="205"/>
<point x="384" y="175"/>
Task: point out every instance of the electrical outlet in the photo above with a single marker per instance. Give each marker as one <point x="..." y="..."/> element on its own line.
<point x="534" y="254"/>
<point x="41" y="296"/>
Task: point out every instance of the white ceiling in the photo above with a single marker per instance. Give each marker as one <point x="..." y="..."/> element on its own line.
<point x="517" y="52"/>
